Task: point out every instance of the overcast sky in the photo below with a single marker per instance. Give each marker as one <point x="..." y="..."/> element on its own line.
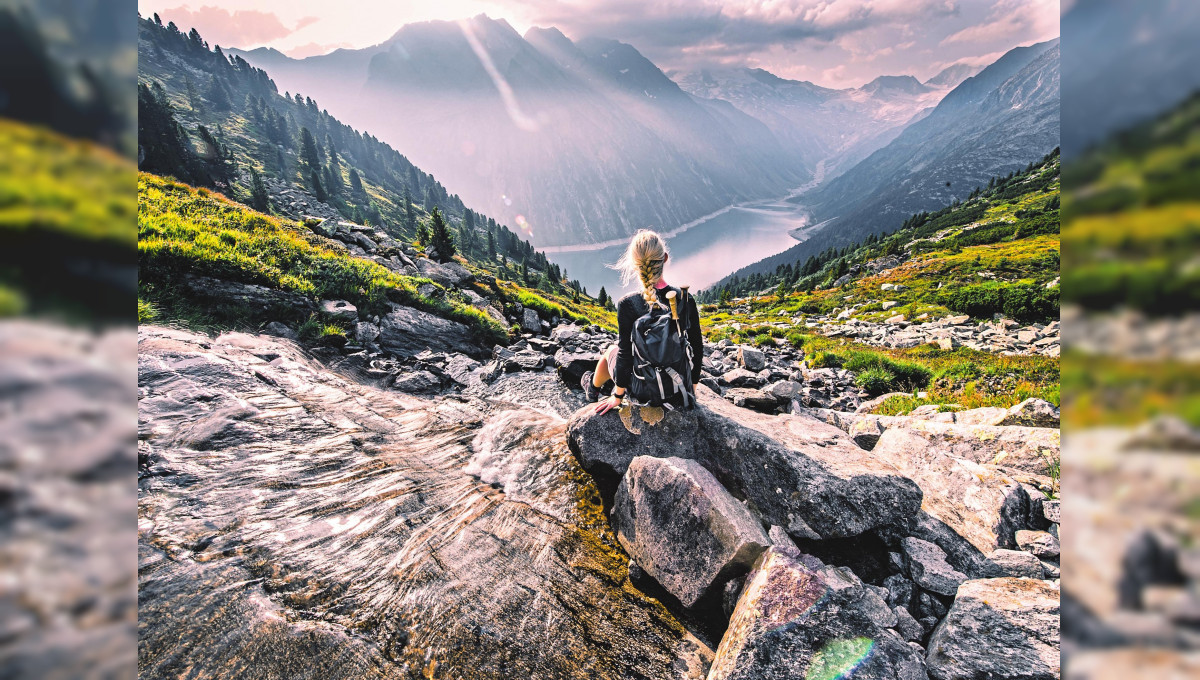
<point x="835" y="43"/>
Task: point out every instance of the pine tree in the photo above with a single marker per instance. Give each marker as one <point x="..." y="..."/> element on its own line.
<point x="356" y="185"/>
<point x="192" y="95"/>
<point x="439" y="237"/>
<point x="318" y="190"/>
<point x="410" y="213"/>
<point x="602" y="298"/>
<point x="308" y="150"/>
<point x="491" y="246"/>
<point x="260" y="200"/>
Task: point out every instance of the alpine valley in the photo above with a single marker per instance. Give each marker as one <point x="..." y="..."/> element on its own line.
<point x="363" y="449"/>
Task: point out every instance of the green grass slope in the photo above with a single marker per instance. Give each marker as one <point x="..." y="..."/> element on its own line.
<point x="994" y="253"/>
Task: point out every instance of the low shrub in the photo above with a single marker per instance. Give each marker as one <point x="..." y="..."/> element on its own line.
<point x="1025" y="303"/>
<point x="764" y="341"/>
<point x="795" y="339"/>
<point x="875" y="381"/>
<point x="825" y="360"/>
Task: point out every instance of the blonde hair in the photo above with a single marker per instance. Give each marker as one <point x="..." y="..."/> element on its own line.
<point x="643" y="260"/>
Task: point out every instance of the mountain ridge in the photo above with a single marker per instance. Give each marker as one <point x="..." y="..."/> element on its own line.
<point x="585" y="154"/>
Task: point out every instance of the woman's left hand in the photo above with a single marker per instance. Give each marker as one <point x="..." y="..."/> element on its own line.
<point x="605" y="405"/>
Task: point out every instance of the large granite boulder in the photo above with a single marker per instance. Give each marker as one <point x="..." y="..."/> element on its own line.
<point x="449" y="275"/>
<point x="801" y="474"/>
<point x="798" y="619"/>
<point x="683" y="528"/>
<point x="979" y="502"/>
<point x="407" y="332"/>
<point x="998" y="628"/>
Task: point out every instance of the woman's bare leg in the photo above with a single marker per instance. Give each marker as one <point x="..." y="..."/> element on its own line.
<point x="604" y="368"/>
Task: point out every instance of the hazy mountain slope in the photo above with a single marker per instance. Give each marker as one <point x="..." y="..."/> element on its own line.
<point x="592" y="142"/>
<point x="952" y="75"/>
<point x="260" y="131"/>
<point x="993" y="123"/>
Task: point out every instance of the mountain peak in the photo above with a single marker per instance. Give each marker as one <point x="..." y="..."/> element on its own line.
<point x="952" y="75"/>
<point x="894" y="84"/>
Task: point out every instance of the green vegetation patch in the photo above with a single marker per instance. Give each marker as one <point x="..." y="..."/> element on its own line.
<point x="182" y="230"/>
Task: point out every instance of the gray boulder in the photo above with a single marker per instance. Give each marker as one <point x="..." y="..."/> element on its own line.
<point x="245" y="295"/>
<point x="800" y="473"/>
<point x="1041" y="543"/>
<point x="441" y="274"/>
<point x="415" y="381"/>
<point x="751" y="359"/>
<point x="365" y="331"/>
<point x="796" y="621"/>
<point x="1016" y="563"/>
<point x="572" y="365"/>
<point x="407" y="332"/>
<point x="1032" y="413"/>
<point x="866" y="432"/>
<point x="929" y="569"/>
<point x="683" y="528"/>
<point x="459" y="275"/>
<point x="751" y="398"/>
<point x="461" y="369"/>
<point x="740" y="377"/>
<point x="1016" y="615"/>
<point x="280" y="330"/>
<point x="530" y="322"/>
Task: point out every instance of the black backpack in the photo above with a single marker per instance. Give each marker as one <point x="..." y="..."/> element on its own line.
<point x="662" y="356"/>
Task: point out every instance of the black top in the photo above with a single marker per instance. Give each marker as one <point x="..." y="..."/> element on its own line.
<point x="630" y="309"/>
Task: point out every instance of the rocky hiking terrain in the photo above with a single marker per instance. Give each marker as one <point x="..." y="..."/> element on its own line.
<point x="401" y="499"/>
<point x="384" y="530"/>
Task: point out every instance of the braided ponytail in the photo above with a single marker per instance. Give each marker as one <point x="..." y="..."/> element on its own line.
<point x="643" y="260"/>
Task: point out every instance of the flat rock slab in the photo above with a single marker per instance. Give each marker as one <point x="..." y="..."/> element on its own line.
<point x="1015" y="447"/>
<point x="998" y="628"/>
<point x="800" y="474"/>
<point x="683" y="528"/>
<point x="305" y="525"/>
<point x="791" y="621"/>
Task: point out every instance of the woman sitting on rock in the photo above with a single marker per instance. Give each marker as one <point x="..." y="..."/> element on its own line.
<point x="643" y="260"/>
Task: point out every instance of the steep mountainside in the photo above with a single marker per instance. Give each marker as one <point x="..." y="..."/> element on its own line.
<point x="993" y="123"/>
<point x="586" y="141"/>
<point x="234" y="125"/>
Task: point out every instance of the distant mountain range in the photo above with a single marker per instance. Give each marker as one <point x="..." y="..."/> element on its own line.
<point x="586" y="141"/>
<point x="841" y="126"/>
<point x="993" y="123"/>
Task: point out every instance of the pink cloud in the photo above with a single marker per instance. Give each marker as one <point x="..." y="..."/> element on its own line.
<point x="239" y="28"/>
<point x="1020" y="20"/>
